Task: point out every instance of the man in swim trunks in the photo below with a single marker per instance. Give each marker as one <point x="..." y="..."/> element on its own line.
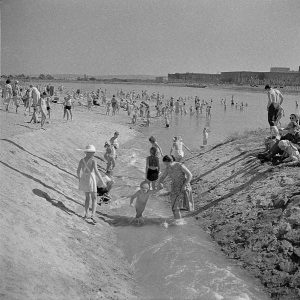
<point x="275" y="100"/>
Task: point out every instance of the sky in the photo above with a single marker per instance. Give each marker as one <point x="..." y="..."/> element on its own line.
<point x="153" y="37"/>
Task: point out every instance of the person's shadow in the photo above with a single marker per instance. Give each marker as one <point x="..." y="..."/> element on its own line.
<point x="121" y="220"/>
<point x="55" y="202"/>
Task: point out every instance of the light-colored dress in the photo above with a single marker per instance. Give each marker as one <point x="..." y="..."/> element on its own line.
<point x="180" y="199"/>
<point x="87" y="182"/>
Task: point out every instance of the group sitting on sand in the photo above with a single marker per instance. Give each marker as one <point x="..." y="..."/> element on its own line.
<point x="283" y="145"/>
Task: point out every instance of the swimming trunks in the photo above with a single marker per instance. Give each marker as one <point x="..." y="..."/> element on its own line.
<point x="152" y="175"/>
<point x="68" y="107"/>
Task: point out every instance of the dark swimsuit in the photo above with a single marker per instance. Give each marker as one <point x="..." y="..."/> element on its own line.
<point x="152" y="175"/>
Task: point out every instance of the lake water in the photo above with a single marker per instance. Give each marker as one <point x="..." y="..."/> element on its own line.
<point x="181" y="262"/>
<point x="222" y="123"/>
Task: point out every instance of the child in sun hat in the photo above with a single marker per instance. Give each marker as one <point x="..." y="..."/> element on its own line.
<point x="87" y="172"/>
<point x="141" y="196"/>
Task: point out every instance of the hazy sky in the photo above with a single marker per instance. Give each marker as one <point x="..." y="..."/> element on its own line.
<point x="156" y="37"/>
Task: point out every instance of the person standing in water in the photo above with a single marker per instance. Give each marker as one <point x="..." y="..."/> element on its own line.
<point x="110" y="156"/>
<point x="205" y="136"/>
<point x="181" y="191"/>
<point x="153" y="142"/>
<point x="141" y="196"/>
<point x="167" y="121"/>
<point x="152" y="167"/>
<point x="86" y="173"/>
<point x="114" y="140"/>
<point x="178" y="148"/>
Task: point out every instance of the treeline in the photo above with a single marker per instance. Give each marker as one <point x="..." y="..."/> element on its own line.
<point x="27" y="77"/>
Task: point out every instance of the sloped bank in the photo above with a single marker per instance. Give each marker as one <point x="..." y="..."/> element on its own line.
<point x="251" y="210"/>
<point x="47" y="251"/>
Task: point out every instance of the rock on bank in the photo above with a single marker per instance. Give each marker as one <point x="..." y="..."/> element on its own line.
<point x="251" y="210"/>
<point x="47" y="251"/>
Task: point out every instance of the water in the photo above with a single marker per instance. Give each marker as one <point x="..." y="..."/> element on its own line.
<point x="171" y="261"/>
<point x="181" y="262"/>
<point x="222" y="124"/>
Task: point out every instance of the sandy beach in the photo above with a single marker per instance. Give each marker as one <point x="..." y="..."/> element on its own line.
<point x="47" y="250"/>
<point x="52" y="253"/>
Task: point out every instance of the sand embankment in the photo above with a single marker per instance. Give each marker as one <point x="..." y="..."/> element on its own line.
<point x="251" y="210"/>
<point x="47" y="250"/>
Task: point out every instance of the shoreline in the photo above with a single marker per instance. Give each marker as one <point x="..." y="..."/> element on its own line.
<point x="243" y="88"/>
<point x="233" y="195"/>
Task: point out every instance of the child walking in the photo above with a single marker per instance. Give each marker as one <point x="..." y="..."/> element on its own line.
<point x="141" y="196"/>
<point x="86" y="172"/>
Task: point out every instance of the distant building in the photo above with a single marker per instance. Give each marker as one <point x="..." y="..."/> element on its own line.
<point x="194" y="78"/>
<point x="160" y="79"/>
<point x="279" y="69"/>
<point x="238" y="77"/>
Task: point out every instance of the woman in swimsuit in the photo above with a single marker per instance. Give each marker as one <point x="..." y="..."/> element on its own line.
<point x="68" y="107"/>
<point x="152" y="167"/>
<point x="86" y="172"/>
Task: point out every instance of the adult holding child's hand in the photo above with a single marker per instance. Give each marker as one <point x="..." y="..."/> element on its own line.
<point x="181" y="191"/>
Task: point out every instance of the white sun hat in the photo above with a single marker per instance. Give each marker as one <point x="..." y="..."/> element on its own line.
<point x="88" y="148"/>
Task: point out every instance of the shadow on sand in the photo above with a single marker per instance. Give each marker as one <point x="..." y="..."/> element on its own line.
<point x="55" y="202"/>
<point x="41" y="158"/>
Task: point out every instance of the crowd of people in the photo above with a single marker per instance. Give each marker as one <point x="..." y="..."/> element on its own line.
<point x="282" y="146"/>
<point x="91" y="182"/>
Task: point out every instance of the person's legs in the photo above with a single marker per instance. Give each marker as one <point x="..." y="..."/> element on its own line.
<point x="87" y="204"/>
<point x="43" y="119"/>
<point x="94" y="204"/>
<point x="177" y="214"/>
<point x="272" y="115"/>
<point x="109" y="186"/>
<point x="113" y="163"/>
<point x="7" y="103"/>
<point x="16" y="102"/>
<point x="70" y="111"/>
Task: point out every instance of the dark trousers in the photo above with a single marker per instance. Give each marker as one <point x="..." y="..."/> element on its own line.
<point x="272" y="114"/>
